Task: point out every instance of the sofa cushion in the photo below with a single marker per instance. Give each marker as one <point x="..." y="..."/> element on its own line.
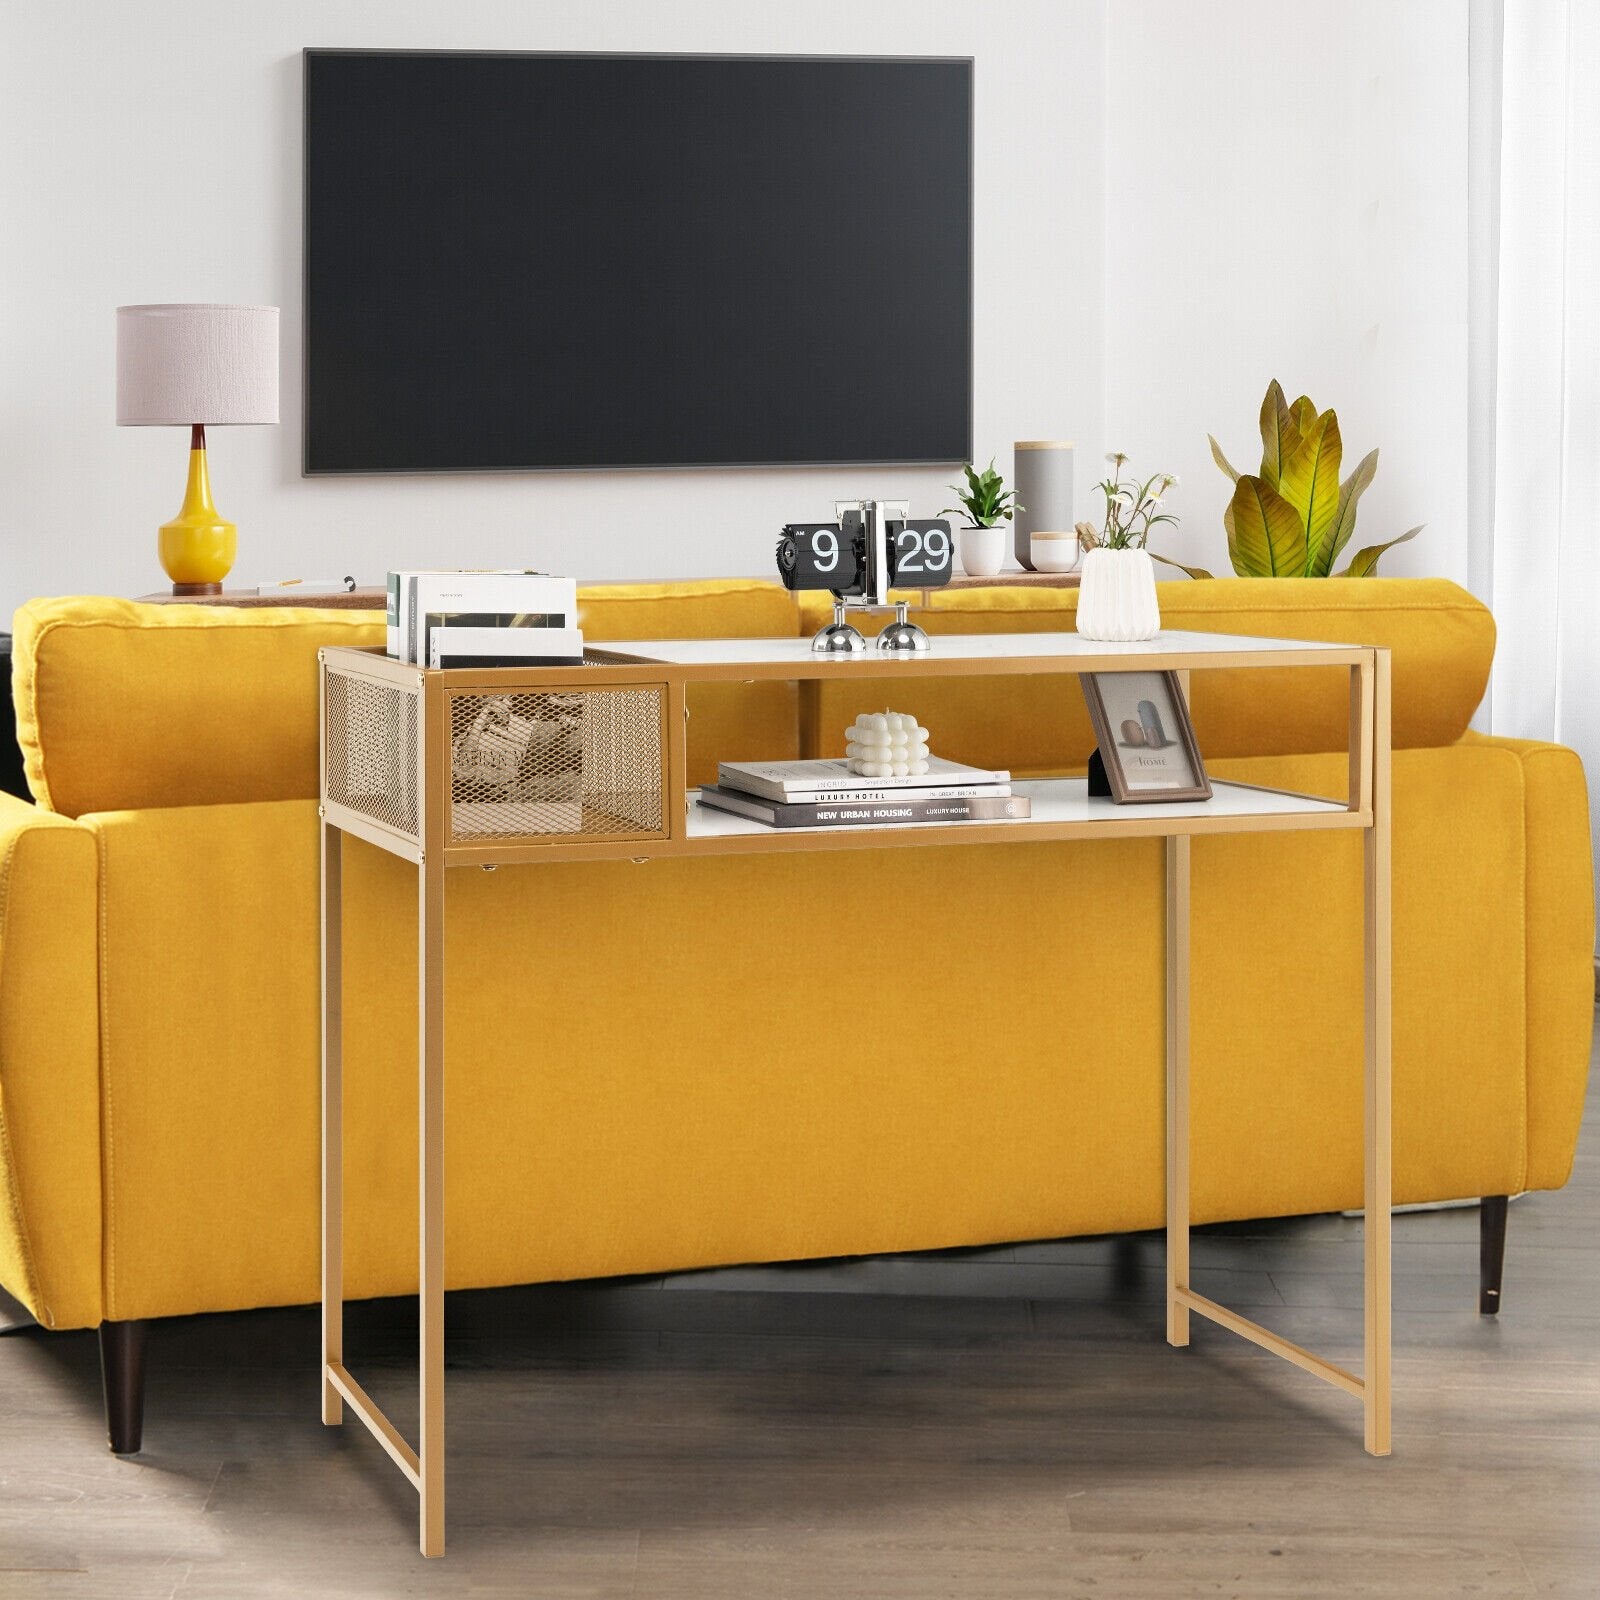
<point x="715" y="608"/>
<point x="1441" y="638"/>
<point x="633" y="1087"/>
<point x="121" y="705"/>
<point x="751" y="722"/>
<point x="128" y="705"/>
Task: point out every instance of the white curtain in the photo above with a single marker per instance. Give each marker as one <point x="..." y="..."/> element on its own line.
<point x="1546" y="527"/>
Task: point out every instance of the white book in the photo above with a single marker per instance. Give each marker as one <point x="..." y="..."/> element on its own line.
<point x="877" y="793"/>
<point x="506" y="647"/>
<point x="395" y="592"/>
<point x="832" y="779"/>
<point x="394" y="587"/>
<point x="432" y="600"/>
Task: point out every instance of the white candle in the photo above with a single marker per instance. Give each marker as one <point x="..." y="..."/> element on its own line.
<point x="887" y="744"/>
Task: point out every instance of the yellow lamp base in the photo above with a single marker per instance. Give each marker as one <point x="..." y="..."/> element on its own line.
<point x="198" y="547"/>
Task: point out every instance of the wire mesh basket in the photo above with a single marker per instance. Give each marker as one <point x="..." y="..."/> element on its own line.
<point x="547" y="763"/>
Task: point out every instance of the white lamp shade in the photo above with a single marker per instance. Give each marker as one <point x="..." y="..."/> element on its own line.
<point x="192" y="363"/>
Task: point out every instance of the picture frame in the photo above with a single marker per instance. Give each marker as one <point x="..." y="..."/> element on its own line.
<point x="1145" y="737"/>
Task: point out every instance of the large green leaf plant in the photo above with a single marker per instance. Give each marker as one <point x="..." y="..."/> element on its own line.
<point x="1294" y="518"/>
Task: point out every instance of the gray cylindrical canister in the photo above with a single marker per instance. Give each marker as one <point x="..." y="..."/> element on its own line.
<point x="1043" y="480"/>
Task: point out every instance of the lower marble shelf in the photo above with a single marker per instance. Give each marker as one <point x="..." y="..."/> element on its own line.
<point x="1066" y="802"/>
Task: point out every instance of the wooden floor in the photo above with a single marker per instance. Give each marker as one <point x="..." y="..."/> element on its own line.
<point x="1006" y="1423"/>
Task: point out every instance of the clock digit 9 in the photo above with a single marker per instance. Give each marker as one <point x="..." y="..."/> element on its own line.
<point x="819" y="555"/>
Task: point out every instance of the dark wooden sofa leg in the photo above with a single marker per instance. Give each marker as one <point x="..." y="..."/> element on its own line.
<point x="122" y="1373"/>
<point x="1491" y="1251"/>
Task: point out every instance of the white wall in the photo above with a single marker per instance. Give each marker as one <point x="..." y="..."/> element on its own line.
<point x="153" y="152"/>
<point x="1286" y="196"/>
<point x="1176" y="201"/>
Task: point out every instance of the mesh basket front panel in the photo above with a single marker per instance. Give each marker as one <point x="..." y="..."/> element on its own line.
<point x="546" y="763"/>
<point x="372" y="750"/>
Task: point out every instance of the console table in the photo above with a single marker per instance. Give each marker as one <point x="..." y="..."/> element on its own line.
<point x="388" y="730"/>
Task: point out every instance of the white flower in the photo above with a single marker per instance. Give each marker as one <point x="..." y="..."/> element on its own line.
<point x="1115" y="457"/>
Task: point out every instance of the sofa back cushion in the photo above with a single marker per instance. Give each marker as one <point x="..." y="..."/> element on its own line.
<point x="727" y="721"/>
<point x="1441" y="639"/>
<point x="124" y="706"/>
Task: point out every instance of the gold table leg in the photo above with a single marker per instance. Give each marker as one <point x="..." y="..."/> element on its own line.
<point x="430" y="1194"/>
<point x="1377" y="1121"/>
<point x="332" y="1117"/>
<point x="1177" y="1006"/>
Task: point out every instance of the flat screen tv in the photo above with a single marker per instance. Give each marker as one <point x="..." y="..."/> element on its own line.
<point x="522" y="261"/>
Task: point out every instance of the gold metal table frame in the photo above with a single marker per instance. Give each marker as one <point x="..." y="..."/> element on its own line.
<point x="414" y="821"/>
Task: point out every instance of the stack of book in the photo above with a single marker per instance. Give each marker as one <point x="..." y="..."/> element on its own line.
<point x="826" y="794"/>
<point x="484" y="619"/>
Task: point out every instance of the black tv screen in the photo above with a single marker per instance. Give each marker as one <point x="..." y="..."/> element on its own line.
<point x="529" y="261"/>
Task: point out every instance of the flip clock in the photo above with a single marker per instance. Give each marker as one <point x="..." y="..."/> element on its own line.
<point x="872" y="547"/>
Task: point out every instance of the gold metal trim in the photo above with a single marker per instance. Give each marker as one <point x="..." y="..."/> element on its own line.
<point x="1268" y="1340"/>
<point x="381" y="1428"/>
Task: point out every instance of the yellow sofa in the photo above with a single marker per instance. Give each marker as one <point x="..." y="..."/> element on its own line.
<point x="643" y="1080"/>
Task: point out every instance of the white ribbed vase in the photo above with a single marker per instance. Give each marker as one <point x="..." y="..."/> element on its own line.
<point x="1117" y="598"/>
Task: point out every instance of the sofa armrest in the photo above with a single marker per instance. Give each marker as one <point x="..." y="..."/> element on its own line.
<point x="1559" y="927"/>
<point x="50" y="1183"/>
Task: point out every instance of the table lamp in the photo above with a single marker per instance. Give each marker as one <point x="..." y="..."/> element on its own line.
<point x="186" y="366"/>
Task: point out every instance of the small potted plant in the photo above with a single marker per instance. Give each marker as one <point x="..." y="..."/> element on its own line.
<point x="988" y="506"/>
<point x="1117" y="598"/>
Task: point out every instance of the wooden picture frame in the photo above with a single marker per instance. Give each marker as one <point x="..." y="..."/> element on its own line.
<point x="1131" y="712"/>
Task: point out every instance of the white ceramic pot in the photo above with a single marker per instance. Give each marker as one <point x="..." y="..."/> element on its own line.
<point x="983" y="550"/>
<point x="1053" y="552"/>
<point x="1117" y="600"/>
